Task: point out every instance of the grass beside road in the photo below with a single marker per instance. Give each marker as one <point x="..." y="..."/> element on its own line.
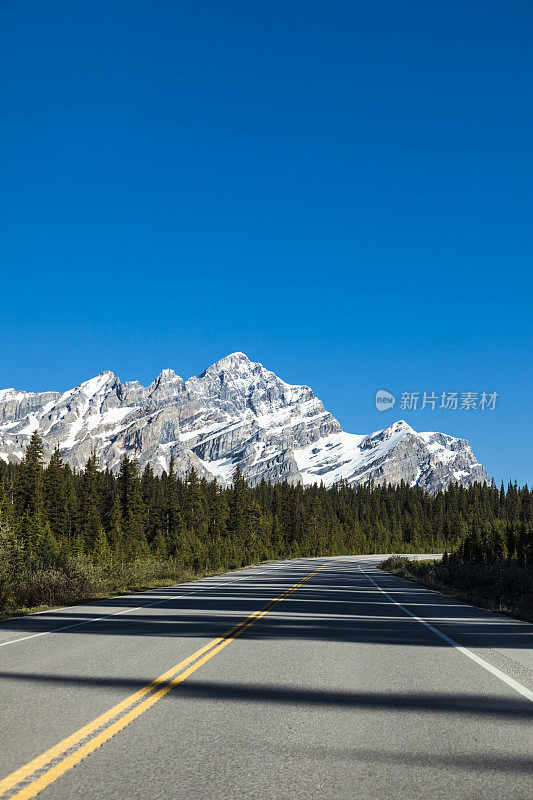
<point x="504" y="587"/>
<point x="81" y="581"/>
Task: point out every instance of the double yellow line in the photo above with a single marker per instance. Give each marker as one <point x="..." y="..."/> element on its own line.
<point x="74" y="748"/>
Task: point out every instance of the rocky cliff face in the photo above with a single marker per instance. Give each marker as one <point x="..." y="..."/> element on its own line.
<point x="236" y="412"/>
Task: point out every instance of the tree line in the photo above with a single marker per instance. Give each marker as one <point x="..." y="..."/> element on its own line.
<point x="52" y="516"/>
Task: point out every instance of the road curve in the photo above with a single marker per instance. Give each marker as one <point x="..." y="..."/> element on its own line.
<point x="310" y="678"/>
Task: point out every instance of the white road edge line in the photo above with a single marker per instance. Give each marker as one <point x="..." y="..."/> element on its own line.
<point x="124" y="611"/>
<point x="518" y="687"/>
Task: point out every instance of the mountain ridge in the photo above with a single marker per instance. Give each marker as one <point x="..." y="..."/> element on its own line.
<point x="235" y="412"/>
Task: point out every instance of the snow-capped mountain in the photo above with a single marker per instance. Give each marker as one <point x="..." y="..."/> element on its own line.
<point x="236" y="412"/>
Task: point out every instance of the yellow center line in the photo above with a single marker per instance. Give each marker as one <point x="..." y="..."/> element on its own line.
<point x="169" y="679"/>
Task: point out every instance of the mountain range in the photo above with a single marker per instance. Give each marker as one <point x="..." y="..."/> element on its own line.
<point x="237" y="412"/>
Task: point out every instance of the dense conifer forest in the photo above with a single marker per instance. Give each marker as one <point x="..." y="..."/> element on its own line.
<point x="66" y="534"/>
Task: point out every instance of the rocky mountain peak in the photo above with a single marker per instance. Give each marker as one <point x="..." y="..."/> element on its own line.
<point x="100" y="382"/>
<point x="235" y="365"/>
<point x="166" y="377"/>
<point x="235" y="412"/>
<point x="232" y="361"/>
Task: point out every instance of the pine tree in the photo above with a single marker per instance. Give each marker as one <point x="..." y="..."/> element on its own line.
<point x="172" y="517"/>
<point x="29" y="496"/>
<point x="56" y="496"/>
<point x="132" y="507"/>
<point x="101" y="552"/>
<point x="28" y="491"/>
<point x="90" y="522"/>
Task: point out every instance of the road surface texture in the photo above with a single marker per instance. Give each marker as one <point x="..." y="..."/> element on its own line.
<point x="336" y="680"/>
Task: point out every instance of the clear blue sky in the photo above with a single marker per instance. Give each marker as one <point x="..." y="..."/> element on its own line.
<point x="342" y="190"/>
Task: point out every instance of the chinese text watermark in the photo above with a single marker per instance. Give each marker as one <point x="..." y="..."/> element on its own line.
<point x="450" y="401"/>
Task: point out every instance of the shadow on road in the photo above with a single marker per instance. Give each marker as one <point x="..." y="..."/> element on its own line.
<point x="441" y="703"/>
<point x="489" y="763"/>
<point x="339" y="604"/>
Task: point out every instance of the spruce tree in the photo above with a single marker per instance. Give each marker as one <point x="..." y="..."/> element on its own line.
<point x="90" y="522"/>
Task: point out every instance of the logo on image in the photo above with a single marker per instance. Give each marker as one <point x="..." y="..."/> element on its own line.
<point x="384" y="400"/>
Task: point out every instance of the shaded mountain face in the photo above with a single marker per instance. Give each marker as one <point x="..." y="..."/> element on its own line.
<point x="236" y="412"/>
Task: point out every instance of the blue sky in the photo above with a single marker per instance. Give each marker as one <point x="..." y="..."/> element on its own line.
<point x="341" y="190"/>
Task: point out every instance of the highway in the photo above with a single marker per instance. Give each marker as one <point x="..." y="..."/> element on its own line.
<point x="312" y="678"/>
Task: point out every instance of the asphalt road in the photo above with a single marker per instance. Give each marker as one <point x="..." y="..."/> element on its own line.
<point x="341" y="687"/>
